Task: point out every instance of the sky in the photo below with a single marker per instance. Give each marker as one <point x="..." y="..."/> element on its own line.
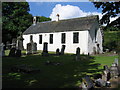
<point x="66" y="10"/>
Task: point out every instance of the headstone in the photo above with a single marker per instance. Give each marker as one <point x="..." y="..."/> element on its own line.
<point x="45" y="49"/>
<point x="7" y="45"/>
<point x="114" y="70"/>
<point x="106" y="73"/>
<point x="2" y="51"/>
<point x="84" y="86"/>
<point x="12" y="52"/>
<point x="14" y="41"/>
<point x="94" y="50"/>
<point x="106" y="68"/>
<point x="89" y="82"/>
<point x="19" y="44"/>
<point x="29" y="48"/>
<point x="18" y="53"/>
<point x="34" y="47"/>
<point x="77" y="54"/>
<point x="100" y="83"/>
<point x="57" y="51"/>
<point x="62" y="49"/>
<point x="116" y="61"/>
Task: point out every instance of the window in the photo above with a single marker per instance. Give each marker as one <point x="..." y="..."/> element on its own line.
<point x="31" y="37"/>
<point x="51" y="38"/>
<point x="95" y="34"/>
<point x="63" y="38"/>
<point x="40" y="39"/>
<point x="76" y="37"/>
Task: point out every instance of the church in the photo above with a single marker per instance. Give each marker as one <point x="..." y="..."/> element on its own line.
<point x="82" y="32"/>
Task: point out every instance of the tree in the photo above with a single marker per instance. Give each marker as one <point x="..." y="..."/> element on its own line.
<point x="15" y="19"/>
<point x="42" y="19"/>
<point x="109" y="10"/>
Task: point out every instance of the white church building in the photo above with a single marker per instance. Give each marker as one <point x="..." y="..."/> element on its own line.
<point x="83" y="32"/>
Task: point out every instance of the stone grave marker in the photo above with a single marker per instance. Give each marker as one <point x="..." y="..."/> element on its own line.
<point x="45" y="49"/>
<point x="12" y="52"/>
<point x="77" y="54"/>
<point x="100" y="83"/>
<point x="18" y="53"/>
<point x="57" y="51"/>
<point x="2" y="51"/>
<point x="89" y="82"/>
<point x="62" y="49"/>
<point x="114" y="70"/>
<point x="19" y="43"/>
<point x="7" y="45"/>
<point x="34" y="47"/>
<point x="106" y="68"/>
<point x="116" y="61"/>
<point x="14" y="41"/>
<point x="106" y="73"/>
<point x="29" y="48"/>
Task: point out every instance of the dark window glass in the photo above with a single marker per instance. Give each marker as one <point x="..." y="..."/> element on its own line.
<point x="63" y="38"/>
<point x="40" y="39"/>
<point x="95" y="34"/>
<point x="31" y="37"/>
<point x="76" y="37"/>
<point x="51" y="38"/>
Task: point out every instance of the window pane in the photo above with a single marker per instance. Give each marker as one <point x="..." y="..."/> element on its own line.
<point x="63" y="38"/>
<point x="40" y="39"/>
<point x="76" y="37"/>
<point x="51" y="38"/>
<point x="31" y="37"/>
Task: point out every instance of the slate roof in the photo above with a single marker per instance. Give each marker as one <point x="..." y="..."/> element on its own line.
<point x="75" y="24"/>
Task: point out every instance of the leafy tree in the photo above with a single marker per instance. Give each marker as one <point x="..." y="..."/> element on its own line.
<point x="42" y="19"/>
<point x="109" y="10"/>
<point x="15" y="19"/>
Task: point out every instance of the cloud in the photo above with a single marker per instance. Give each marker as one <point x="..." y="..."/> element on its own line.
<point x="69" y="11"/>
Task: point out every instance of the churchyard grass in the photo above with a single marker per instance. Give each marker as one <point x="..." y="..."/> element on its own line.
<point x="68" y="74"/>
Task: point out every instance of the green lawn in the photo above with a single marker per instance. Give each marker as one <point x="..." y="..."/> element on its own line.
<point x="68" y="74"/>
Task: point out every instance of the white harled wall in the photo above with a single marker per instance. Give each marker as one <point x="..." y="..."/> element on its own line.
<point x="70" y="46"/>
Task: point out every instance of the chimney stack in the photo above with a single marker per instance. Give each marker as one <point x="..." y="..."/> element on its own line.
<point x="58" y="17"/>
<point x="34" y="20"/>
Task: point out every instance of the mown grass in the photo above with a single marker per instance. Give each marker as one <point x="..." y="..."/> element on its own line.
<point x="68" y="74"/>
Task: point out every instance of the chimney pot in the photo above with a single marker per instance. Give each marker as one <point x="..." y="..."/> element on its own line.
<point x="34" y="20"/>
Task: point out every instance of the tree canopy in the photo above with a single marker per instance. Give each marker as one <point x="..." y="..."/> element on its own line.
<point x="15" y="19"/>
<point x="109" y="10"/>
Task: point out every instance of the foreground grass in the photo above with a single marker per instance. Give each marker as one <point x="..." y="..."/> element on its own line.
<point x="68" y="74"/>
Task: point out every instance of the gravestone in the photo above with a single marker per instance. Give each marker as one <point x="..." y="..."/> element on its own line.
<point x="45" y="49"/>
<point x="77" y="54"/>
<point x="2" y="51"/>
<point x="29" y="48"/>
<point x="100" y="83"/>
<point x="84" y="86"/>
<point x="57" y="51"/>
<point x="14" y="41"/>
<point x="34" y="47"/>
<point x="18" y="53"/>
<point x="89" y="82"/>
<point x="62" y="49"/>
<point x="19" y="43"/>
<point x="106" y="73"/>
<point x="116" y="61"/>
<point x="106" y="68"/>
<point x="114" y="70"/>
<point x="12" y="52"/>
<point x="94" y="50"/>
<point x="7" y="45"/>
